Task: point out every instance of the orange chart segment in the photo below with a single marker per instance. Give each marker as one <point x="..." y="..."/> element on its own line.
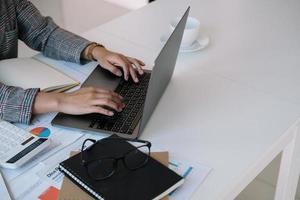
<point x="42" y="132"/>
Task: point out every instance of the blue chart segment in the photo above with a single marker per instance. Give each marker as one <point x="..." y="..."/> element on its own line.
<point x="41" y="132"/>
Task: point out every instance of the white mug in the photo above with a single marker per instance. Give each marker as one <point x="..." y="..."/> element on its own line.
<point x="191" y="31"/>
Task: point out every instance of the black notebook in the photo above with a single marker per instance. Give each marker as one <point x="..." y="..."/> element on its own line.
<point x="152" y="181"/>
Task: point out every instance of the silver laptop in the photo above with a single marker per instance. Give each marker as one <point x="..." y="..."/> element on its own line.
<point x="140" y="98"/>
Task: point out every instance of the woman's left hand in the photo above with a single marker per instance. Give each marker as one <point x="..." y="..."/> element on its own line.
<point x="115" y="62"/>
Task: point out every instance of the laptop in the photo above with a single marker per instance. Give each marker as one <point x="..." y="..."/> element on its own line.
<point x="140" y="98"/>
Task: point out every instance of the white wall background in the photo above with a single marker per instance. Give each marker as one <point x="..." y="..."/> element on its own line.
<point x="78" y="16"/>
<point x="130" y="4"/>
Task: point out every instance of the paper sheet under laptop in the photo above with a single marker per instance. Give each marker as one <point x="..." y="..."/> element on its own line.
<point x="31" y="73"/>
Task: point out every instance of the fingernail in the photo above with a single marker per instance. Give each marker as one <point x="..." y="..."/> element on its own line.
<point x="111" y="113"/>
<point x="136" y="80"/>
<point x="119" y="73"/>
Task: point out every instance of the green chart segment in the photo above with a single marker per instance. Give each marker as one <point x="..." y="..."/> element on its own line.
<point x="41" y="132"/>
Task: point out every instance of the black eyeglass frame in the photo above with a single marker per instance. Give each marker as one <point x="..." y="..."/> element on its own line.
<point x="85" y="163"/>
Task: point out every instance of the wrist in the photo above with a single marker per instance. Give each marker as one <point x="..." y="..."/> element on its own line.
<point x="58" y="101"/>
<point x="47" y="102"/>
<point x="89" y="51"/>
<point x="98" y="53"/>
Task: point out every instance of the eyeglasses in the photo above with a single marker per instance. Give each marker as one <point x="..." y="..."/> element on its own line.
<point x="104" y="167"/>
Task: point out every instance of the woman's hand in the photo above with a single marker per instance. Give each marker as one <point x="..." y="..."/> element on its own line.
<point x="115" y="62"/>
<point x="83" y="101"/>
<point x="90" y="99"/>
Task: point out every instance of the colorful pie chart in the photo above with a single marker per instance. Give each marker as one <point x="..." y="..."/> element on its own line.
<point x="42" y="132"/>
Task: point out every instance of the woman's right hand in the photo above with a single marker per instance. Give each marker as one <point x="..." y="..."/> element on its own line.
<point x="83" y="101"/>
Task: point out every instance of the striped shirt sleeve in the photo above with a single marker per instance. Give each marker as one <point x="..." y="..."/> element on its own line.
<point x="42" y="34"/>
<point x="16" y="103"/>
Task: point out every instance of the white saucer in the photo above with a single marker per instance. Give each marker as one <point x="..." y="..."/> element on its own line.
<point x="198" y="45"/>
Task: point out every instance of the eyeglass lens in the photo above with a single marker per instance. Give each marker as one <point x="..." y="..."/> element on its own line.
<point x="104" y="168"/>
<point x="137" y="158"/>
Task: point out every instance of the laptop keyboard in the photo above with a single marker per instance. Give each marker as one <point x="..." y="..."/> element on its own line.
<point x="134" y="95"/>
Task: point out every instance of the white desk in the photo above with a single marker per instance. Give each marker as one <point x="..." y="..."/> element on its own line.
<point x="233" y="106"/>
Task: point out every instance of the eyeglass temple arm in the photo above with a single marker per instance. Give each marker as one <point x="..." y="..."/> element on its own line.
<point x="95" y="141"/>
<point x="82" y="148"/>
<point x="91" y="140"/>
<point x="127" y="139"/>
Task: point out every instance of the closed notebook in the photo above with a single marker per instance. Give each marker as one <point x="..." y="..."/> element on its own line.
<point x="152" y="181"/>
<point x="70" y="191"/>
<point x="31" y="73"/>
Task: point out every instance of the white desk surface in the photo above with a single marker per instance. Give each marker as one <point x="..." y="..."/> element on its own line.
<point x="230" y="105"/>
<point x="254" y="42"/>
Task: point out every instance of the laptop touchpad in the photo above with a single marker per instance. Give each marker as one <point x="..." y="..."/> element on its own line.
<point x="102" y="78"/>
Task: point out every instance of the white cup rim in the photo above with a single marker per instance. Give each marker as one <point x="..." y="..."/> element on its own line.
<point x="195" y="21"/>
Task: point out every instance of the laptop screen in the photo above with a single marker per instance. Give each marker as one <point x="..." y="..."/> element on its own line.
<point x="163" y="70"/>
